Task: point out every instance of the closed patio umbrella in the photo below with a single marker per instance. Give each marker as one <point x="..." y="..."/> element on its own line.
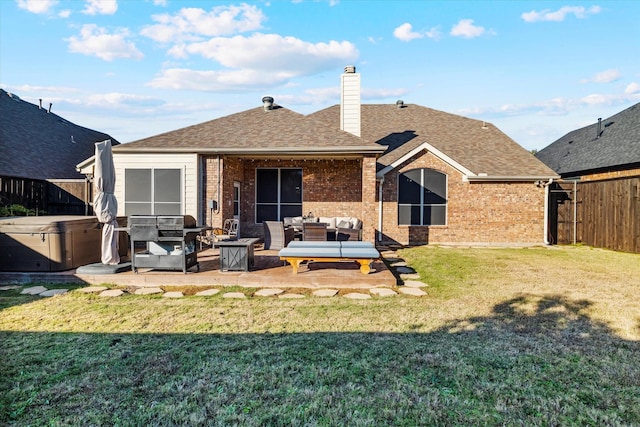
<point x="105" y="204"/>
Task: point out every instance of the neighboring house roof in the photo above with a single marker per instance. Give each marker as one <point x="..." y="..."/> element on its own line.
<point x="37" y="144"/>
<point x="256" y="131"/>
<point x="615" y="147"/>
<point x="476" y="148"/>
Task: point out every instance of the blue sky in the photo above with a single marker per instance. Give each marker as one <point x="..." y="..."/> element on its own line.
<point x="136" y="68"/>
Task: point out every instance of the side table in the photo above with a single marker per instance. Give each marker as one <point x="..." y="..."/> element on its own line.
<point x="237" y="255"/>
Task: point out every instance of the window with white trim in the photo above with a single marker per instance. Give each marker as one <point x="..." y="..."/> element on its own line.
<point x="422" y="197"/>
<point x="278" y="193"/>
<point x="152" y="192"/>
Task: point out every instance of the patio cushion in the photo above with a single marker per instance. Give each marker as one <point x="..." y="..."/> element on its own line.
<point x="344" y="224"/>
<point x="329" y="220"/>
<point x="313" y="244"/>
<point x="359" y="253"/>
<point x="355" y="244"/>
<point x="307" y="252"/>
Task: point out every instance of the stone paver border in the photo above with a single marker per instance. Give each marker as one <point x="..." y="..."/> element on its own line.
<point x="411" y="287"/>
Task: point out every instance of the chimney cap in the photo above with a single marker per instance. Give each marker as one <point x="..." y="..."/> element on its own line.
<point x="267" y="102"/>
<point x="399" y="103"/>
<point x="349" y="69"/>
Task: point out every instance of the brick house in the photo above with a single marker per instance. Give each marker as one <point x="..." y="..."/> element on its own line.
<point x="413" y="175"/>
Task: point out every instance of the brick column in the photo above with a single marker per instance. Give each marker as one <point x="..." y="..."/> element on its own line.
<point x="369" y="206"/>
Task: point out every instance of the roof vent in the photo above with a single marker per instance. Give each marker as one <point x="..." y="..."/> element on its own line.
<point x="267" y="103"/>
<point x="349" y="69"/>
<point x="599" y="127"/>
<point x="400" y="103"/>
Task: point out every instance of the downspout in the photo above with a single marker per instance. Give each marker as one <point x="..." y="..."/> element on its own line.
<point x="575" y="211"/>
<point x="546" y="211"/>
<point x="217" y="210"/>
<point x="380" y="209"/>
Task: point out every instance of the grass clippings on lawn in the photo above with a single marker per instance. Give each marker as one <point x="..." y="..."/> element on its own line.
<point x="506" y="337"/>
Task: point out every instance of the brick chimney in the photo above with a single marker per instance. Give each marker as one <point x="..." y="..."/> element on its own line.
<point x="350" y="100"/>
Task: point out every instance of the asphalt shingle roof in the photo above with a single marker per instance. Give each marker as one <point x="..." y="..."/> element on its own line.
<point x="584" y="150"/>
<point x="255" y="130"/>
<point x="41" y="145"/>
<point x="478" y="146"/>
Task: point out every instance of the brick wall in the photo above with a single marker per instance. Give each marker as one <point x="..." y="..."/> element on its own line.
<point x="479" y="212"/>
<point x="330" y="188"/>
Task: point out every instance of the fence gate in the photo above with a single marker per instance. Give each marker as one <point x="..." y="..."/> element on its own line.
<point x="603" y="214"/>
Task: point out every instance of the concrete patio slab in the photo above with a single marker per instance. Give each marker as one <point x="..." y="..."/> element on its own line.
<point x="269" y="271"/>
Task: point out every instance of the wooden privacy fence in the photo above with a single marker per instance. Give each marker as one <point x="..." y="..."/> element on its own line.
<point x="604" y="214"/>
<point x="51" y="197"/>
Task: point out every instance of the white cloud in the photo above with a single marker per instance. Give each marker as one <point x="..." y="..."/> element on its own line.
<point x="64" y="13"/>
<point x="191" y="24"/>
<point x="100" y="7"/>
<point x="117" y="100"/>
<point x="272" y="52"/>
<point x="607" y="76"/>
<point x="95" y="41"/>
<point x="37" y="6"/>
<point x="465" y="28"/>
<point x="39" y="89"/>
<point x="557" y="106"/>
<point x="160" y="2"/>
<point x="217" y="81"/>
<point x="632" y="88"/>
<point x="559" y="15"/>
<point x="259" y="61"/>
<point x="405" y="33"/>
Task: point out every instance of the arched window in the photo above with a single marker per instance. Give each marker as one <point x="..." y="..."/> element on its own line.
<point x="422" y="197"/>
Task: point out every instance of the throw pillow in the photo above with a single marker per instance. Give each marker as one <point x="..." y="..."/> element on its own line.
<point x="344" y="224"/>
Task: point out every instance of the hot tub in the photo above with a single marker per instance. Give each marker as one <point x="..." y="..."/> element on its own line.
<point x="49" y="243"/>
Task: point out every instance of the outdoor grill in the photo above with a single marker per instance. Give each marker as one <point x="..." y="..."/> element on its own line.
<point x="169" y="242"/>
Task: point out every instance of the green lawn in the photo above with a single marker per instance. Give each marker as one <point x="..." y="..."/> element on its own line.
<point x="542" y="336"/>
